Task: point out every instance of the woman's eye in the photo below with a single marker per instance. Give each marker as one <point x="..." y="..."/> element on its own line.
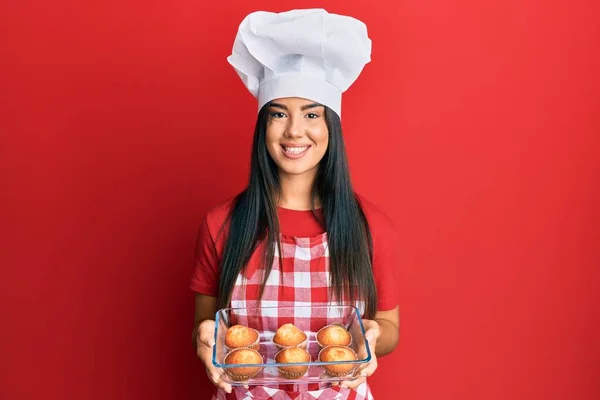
<point x="313" y="116"/>
<point x="277" y="115"/>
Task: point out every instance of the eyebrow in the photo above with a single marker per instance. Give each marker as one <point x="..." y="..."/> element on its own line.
<point x="303" y="108"/>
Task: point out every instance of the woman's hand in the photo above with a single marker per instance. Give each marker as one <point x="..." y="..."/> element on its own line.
<point x="204" y="348"/>
<point x="372" y="334"/>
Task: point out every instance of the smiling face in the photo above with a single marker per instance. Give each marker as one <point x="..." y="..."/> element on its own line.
<point x="297" y="136"/>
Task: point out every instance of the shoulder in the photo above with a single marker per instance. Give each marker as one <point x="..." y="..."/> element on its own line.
<point x="217" y="216"/>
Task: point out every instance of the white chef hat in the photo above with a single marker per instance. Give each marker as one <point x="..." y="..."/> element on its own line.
<point x="300" y="53"/>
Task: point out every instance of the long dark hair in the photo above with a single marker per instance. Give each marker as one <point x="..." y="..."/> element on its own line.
<point x="253" y="217"/>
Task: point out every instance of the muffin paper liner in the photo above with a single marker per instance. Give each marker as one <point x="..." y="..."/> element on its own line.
<point x="240" y="378"/>
<point x="290" y="375"/>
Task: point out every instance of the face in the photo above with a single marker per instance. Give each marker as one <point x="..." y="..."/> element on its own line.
<point x="297" y="135"/>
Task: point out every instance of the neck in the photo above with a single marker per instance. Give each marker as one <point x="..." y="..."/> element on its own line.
<point x="296" y="191"/>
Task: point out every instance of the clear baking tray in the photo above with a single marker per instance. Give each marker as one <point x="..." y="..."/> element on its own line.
<point x="309" y="319"/>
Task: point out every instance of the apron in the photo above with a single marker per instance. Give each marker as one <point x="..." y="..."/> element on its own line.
<point x="299" y="277"/>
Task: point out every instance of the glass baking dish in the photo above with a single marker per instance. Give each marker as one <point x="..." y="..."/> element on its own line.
<point x="309" y="319"/>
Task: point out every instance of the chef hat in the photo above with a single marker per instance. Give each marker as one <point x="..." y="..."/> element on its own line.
<point x="300" y="53"/>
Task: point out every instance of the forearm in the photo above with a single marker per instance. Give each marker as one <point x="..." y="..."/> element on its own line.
<point x="388" y="339"/>
<point x="205" y="308"/>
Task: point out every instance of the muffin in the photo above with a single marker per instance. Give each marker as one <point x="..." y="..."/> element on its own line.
<point x="333" y="335"/>
<point x="338" y="353"/>
<point x="239" y="336"/>
<point x="289" y="335"/>
<point x="243" y="356"/>
<point x="292" y="355"/>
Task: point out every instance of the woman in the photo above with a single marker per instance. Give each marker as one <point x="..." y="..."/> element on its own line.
<point x="299" y="197"/>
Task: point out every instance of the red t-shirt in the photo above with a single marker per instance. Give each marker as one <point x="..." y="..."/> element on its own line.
<point x="211" y="241"/>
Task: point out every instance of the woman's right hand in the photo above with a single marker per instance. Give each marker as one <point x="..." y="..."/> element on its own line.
<point x="204" y="348"/>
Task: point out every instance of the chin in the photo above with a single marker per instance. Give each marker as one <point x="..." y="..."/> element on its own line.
<point x="294" y="171"/>
<point x="286" y="168"/>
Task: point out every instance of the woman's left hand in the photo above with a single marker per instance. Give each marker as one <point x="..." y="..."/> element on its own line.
<point x="372" y="334"/>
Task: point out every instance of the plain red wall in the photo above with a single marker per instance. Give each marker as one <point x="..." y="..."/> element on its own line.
<point x="475" y="127"/>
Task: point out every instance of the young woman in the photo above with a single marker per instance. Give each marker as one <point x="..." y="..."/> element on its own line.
<point x="335" y="246"/>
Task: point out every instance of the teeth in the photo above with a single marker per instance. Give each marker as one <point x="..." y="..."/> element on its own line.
<point x="295" y="150"/>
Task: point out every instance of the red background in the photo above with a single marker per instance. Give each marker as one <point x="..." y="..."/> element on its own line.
<point x="475" y="128"/>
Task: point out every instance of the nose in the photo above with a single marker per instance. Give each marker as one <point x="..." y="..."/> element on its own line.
<point x="294" y="128"/>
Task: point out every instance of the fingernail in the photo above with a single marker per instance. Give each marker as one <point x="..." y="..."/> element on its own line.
<point x="228" y="390"/>
<point x="211" y="343"/>
<point x="215" y="378"/>
<point x="363" y="374"/>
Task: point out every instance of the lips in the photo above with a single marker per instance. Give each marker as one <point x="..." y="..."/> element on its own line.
<point x="295" y="149"/>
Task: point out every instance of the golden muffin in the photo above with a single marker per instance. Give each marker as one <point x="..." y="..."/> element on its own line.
<point x="288" y="335"/>
<point x="333" y="335"/>
<point x="338" y="353"/>
<point x="239" y="336"/>
<point x="292" y="355"/>
<point x="243" y="356"/>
